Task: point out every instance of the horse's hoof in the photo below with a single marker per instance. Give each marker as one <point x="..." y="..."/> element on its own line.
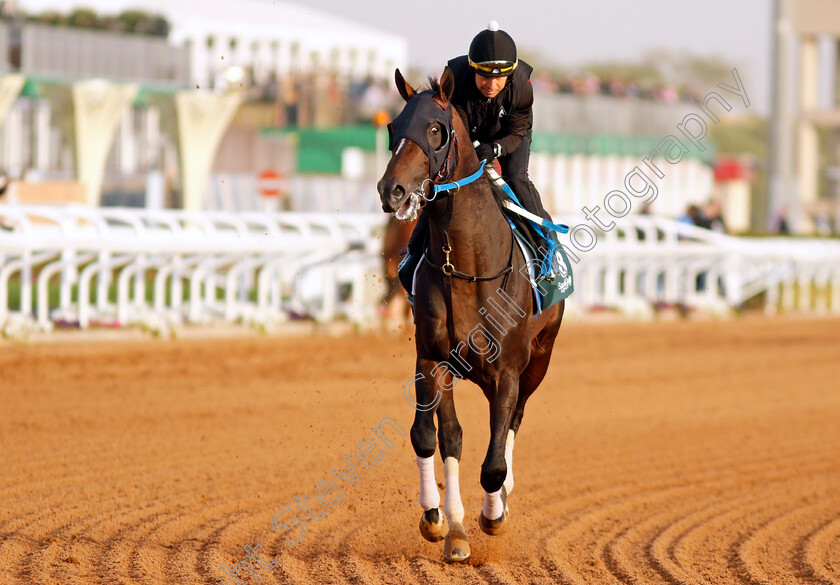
<point x="493" y="527"/>
<point x="457" y="547"/>
<point x="433" y="526"/>
<point x="500" y="524"/>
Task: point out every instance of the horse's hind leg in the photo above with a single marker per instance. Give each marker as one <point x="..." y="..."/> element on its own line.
<point x="494" y="512"/>
<point x="457" y="546"/>
<point x="529" y="380"/>
<point x="432" y="523"/>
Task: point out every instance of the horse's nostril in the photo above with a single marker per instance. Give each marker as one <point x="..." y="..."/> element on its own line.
<point x="390" y="193"/>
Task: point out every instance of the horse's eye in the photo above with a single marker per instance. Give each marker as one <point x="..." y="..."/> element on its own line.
<point x="434" y="130"/>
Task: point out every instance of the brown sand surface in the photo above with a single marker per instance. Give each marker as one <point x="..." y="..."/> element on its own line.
<point x="664" y="453"/>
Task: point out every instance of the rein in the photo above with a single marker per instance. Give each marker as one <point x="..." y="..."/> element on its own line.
<point x="458" y="184"/>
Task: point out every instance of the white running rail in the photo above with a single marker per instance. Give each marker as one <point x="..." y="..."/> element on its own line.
<point x="648" y="260"/>
<point x="113" y="266"/>
<point x="125" y="266"/>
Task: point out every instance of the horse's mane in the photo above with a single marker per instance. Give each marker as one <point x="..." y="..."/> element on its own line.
<point x="434" y="84"/>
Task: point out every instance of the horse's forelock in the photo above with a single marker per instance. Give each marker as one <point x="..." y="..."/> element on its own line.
<point x="434" y="85"/>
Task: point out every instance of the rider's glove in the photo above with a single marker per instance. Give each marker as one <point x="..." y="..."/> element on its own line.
<point x="487" y="152"/>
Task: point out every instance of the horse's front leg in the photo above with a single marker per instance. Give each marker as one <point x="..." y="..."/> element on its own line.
<point x="494" y="512"/>
<point x="428" y="397"/>
<point x="457" y="545"/>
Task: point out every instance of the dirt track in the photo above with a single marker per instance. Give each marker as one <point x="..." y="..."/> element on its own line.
<point x="673" y="453"/>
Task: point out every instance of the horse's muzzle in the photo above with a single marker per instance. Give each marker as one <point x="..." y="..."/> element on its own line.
<point x="391" y="194"/>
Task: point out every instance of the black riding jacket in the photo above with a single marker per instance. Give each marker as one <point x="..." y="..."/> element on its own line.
<point x="507" y="118"/>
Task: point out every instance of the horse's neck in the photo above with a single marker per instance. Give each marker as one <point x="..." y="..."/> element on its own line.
<point x="475" y="229"/>
<point x="471" y="221"/>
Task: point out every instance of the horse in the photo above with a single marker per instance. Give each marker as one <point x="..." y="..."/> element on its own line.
<point x="473" y="308"/>
<point x="396" y="237"/>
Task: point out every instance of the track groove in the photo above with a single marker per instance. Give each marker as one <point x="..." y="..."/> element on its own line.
<point x="813" y="555"/>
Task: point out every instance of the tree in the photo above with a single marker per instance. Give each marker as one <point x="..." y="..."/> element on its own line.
<point x="130" y="20"/>
<point x="159" y="26"/>
<point x="83" y="18"/>
<point x="140" y="22"/>
<point x="52" y="17"/>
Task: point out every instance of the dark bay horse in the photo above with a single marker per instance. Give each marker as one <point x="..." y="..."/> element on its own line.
<point x="473" y="309"/>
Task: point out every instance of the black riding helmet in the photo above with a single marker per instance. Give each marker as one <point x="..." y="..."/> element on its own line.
<point x="493" y="52"/>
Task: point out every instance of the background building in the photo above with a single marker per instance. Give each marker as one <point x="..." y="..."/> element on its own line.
<point x="265" y="38"/>
<point x="805" y="140"/>
<point x="308" y="85"/>
<point x="290" y="65"/>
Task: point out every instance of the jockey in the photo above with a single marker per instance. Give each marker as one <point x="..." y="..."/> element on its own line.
<point x="494" y="96"/>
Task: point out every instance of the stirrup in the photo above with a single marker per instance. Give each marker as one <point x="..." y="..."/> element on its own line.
<point x="553" y="270"/>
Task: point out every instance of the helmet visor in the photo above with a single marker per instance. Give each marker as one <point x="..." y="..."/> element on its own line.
<point x="493" y="68"/>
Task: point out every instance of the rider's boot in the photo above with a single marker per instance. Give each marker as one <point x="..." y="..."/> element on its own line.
<point x="413" y="253"/>
<point x="546" y="239"/>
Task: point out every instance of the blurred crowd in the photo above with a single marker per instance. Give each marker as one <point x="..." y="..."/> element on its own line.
<point x="591" y="84"/>
<point x="325" y="99"/>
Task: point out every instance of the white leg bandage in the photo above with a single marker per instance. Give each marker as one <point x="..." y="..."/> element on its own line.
<point x="452" y="506"/>
<point x="509" y="461"/>
<point x="429" y="495"/>
<point x="493" y="507"/>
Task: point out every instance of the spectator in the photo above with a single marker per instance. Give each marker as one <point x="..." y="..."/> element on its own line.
<point x="669" y="94"/>
<point x="779" y="224"/>
<point x="714" y="216"/>
<point x="8" y="187"/>
<point x="693" y="216"/>
<point x="822" y="224"/>
<point x="7" y="196"/>
<point x="290" y="99"/>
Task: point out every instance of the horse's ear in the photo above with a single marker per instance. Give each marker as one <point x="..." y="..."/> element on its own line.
<point x="406" y="91"/>
<point x="447" y="84"/>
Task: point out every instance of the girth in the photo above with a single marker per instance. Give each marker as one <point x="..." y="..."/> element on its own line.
<point x="447" y="269"/>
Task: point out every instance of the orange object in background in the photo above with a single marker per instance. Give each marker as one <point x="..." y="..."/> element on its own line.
<point x="269" y="183"/>
<point x="50" y="193"/>
<point x="381" y="118"/>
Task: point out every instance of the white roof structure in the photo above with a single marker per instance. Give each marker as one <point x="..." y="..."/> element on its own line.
<point x="268" y="35"/>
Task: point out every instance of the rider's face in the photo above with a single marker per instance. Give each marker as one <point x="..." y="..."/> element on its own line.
<point x="490" y="86"/>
